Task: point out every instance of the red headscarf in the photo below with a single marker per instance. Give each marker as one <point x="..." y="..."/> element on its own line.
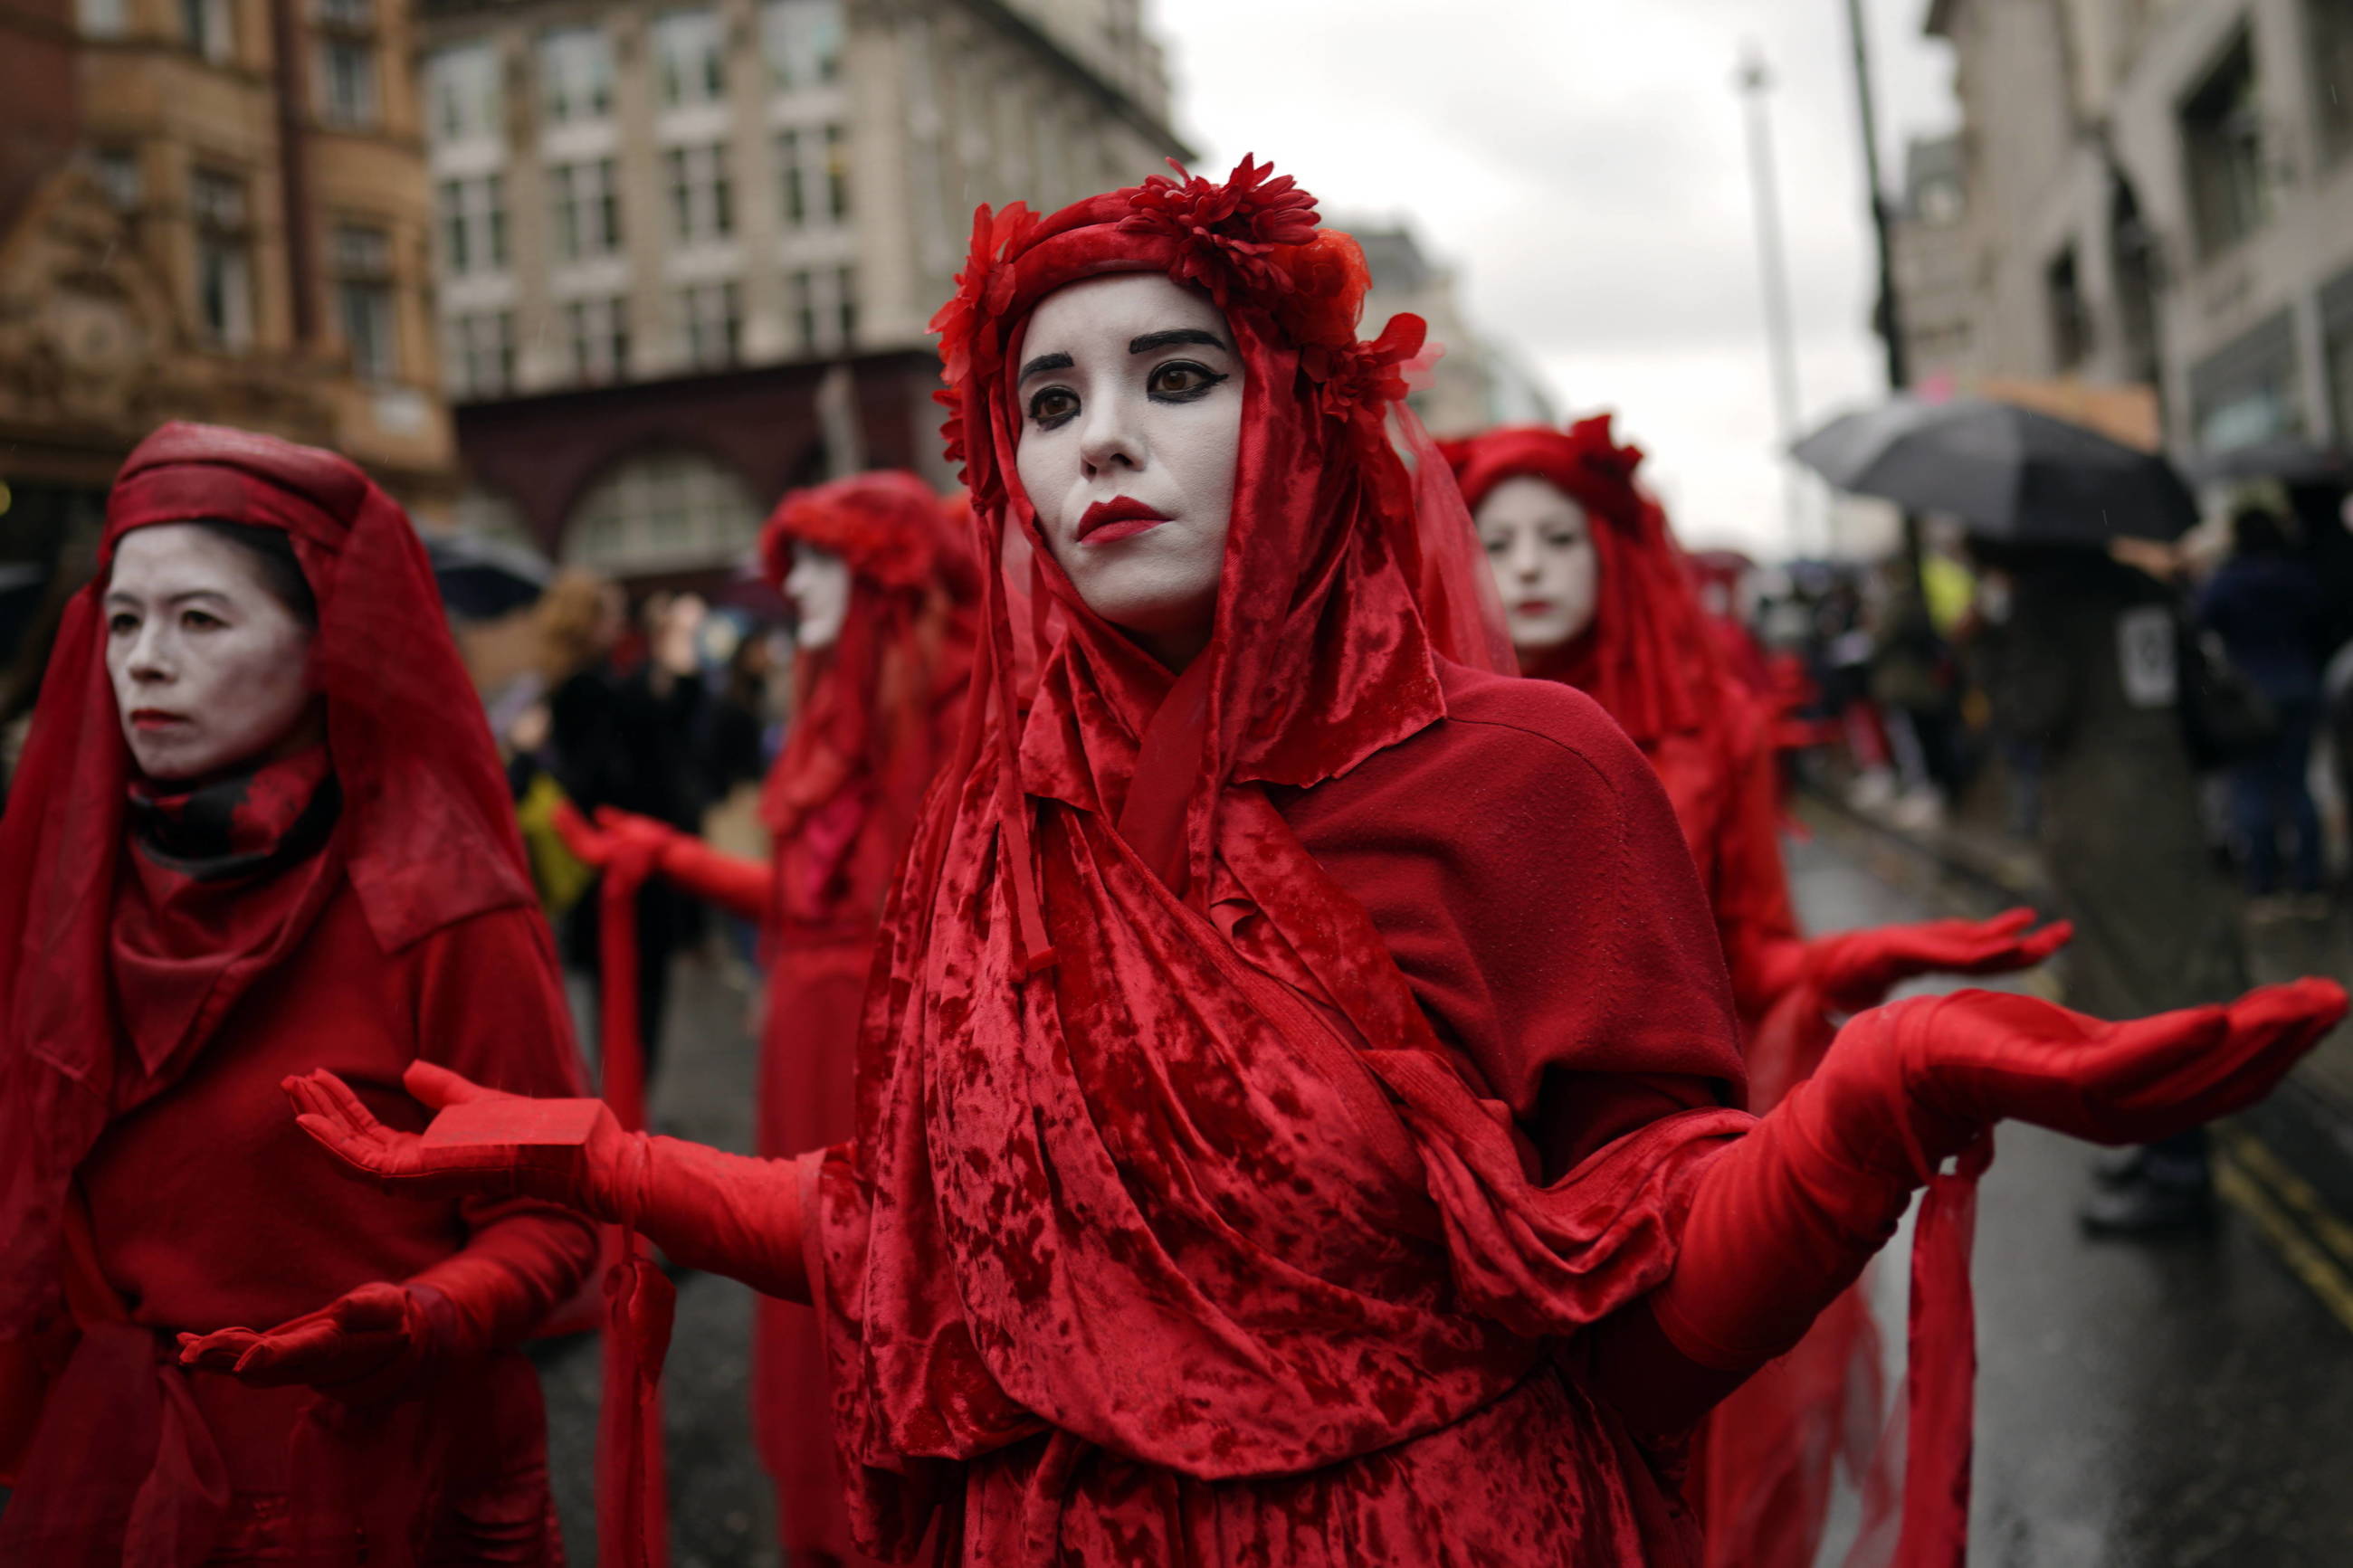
<point x="1133" y="1031"/>
<point x="864" y="715"/>
<point x="1648" y="657"/>
<point x="428" y="835"/>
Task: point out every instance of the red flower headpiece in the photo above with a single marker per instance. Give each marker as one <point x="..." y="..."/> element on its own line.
<point x="1584" y="462"/>
<point x="887" y="526"/>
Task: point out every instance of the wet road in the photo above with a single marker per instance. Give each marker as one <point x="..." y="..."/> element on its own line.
<point x="2139" y="1406"/>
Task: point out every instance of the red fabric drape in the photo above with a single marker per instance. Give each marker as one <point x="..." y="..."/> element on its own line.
<point x="1162" y="1178"/>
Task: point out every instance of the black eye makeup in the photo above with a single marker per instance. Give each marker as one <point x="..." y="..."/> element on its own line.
<point x="1182" y="381"/>
<point x="1050" y="407"/>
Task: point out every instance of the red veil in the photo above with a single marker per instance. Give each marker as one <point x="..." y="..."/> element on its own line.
<point x="1133" y="1031"/>
<point x="429" y="830"/>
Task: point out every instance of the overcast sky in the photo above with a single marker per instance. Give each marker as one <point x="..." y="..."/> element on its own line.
<point x="1580" y="164"/>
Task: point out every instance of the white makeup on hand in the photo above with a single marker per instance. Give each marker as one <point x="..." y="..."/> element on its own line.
<point x="210" y="669"/>
<point x="1540" y="544"/>
<point x="1130" y="399"/>
<point x="818" y="587"/>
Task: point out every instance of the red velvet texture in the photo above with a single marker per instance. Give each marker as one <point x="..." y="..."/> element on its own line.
<point x="1059" y="1296"/>
<point x="95" y="950"/>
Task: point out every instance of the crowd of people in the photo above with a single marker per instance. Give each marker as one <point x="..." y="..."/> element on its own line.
<point x="1285" y="1039"/>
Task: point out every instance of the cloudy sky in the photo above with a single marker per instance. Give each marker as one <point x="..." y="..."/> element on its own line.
<point x="1581" y="164"/>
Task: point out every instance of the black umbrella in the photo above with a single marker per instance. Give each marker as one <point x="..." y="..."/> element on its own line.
<point x="481" y="579"/>
<point x="2006" y="472"/>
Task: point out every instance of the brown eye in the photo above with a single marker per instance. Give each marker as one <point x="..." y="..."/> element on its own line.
<point x="1181" y="381"/>
<point x="1052" y="405"/>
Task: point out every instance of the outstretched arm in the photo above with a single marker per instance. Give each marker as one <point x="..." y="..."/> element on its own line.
<point x="728" y="1214"/>
<point x="743" y="888"/>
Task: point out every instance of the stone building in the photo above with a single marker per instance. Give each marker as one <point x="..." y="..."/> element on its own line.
<point x="687" y="252"/>
<point x="209" y="209"/>
<point x="2152" y="193"/>
<point x="1475" y="385"/>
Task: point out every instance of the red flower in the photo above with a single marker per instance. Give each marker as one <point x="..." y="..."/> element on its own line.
<point x="985" y="286"/>
<point x="1596" y="451"/>
<point x="1229" y="230"/>
<point x="1358" y="382"/>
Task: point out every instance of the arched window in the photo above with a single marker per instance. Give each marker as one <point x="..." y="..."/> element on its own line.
<point x="663" y="511"/>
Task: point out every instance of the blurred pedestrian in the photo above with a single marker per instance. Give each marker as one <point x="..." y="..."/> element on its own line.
<point x="883" y="589"/>
<point x="626" y="738"/>
<point x="2097" y="689"/>
<point x="2267" y="606"/>
<point x="261" y="825"/>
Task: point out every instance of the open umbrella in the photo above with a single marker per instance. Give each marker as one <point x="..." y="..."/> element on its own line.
<point x="481" y="579"/>
<point x="2006" y="472"/>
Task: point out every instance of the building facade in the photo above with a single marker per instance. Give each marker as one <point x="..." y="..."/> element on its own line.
<point x="2152" y="193"/>
<point x="687" y="251"/>
<point x="210" y="209"/>
<point x="1475" y="385"/>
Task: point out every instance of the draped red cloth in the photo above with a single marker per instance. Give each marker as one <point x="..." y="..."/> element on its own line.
<point x="146" y="1016"/>
<point x="874" y="718"/>
<point x="1174" y="1228"/>
<point x="1654" y="657"/>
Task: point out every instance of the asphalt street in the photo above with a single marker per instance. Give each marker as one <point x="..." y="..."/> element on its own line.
<point x="2165" y="1405"/>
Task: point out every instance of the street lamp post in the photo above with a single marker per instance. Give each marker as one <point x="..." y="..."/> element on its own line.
<point x="1755" y="80"/>
<point x="1888" y="315"/>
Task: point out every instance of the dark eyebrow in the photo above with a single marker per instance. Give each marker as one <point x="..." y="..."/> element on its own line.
<point x="1151" y="340"/>
<point x="1044" y="363"/>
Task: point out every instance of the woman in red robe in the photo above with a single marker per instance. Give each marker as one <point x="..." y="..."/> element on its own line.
<point x="1297" y="1115"/>
<point x="1600" y="597"/>
<point x="883" y="590"/>
<point x="259" y="824"/>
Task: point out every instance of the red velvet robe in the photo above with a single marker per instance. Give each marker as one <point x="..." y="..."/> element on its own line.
<point x="1521" y="866"/>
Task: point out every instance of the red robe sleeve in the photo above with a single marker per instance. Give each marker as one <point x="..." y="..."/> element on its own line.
<point x="490" y="1006"/>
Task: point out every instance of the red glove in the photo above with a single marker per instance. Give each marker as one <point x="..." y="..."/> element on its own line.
<point x="371" y="1344"/>
<point x="738" y="886"/>
<point x="1856" y="969"/>
<point x="1787" y="1217"/>
<point x="726" y="1214"/>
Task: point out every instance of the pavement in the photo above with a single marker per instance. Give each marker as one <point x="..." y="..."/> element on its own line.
<point x="2139" y="1407"/>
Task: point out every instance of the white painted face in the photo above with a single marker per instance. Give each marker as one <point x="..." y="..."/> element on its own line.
<point x="818" y="587"/>
<point x="210" y="667"/>
<point x="1130" y="402"/>
<point x="1540" y="544"/>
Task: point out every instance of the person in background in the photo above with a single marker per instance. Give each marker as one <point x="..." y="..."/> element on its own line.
<point x="2267" y="606"/>
<point x="2096" y="689"/>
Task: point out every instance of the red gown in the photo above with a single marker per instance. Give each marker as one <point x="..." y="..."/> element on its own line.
<point x="147" y="1171"/>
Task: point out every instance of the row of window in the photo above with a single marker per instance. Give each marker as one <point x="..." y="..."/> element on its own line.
<point x="2231" y="145"/>
<point x="343" y="59"/>
<point x="359" y="258"/>
<point x="584" y="200"/>
<point x="824" y="311"/>
<point x="800" y="47"/>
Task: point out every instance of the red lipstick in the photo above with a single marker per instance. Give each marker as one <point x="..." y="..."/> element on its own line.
<point x="1118" y="517"/>
<point x="153" y="718"/>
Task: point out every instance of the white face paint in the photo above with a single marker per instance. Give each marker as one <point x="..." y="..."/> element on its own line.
<point x="818" y="587"/>
<point x="1131" y="403"/>
<point x="1540" y="544"/>
<point x="210" y="669"/>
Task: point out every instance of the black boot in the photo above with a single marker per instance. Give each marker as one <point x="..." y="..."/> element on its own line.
<point x="2115" y="1168"/>
<point x="2151" y="1204"/>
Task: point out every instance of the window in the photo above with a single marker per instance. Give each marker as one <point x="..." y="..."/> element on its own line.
<point x="223" y="258"/>
<point x="837" y="174"/>
<point x="576" y="75"/>
<point x="802" y="41"/>
<point x="481" y="355"/>
<point x="2330" y="25"/>
<point x="2223" y="146"/>
<point x="462" y="88"/>
<point x="700" y="204"/>
<point x="846" y="286"/>
<point x="116" y="169"/>
<point x="600" y="337"/>
<point x="663" y="511"/>
<point x="794" y="178"/>
<point x="2071" y="316"/>
<point x="347" y="15"/>
<point x="473" y="225"/>
<point x="587" y="209"/>
<point x="712" y="314"/>
<point x="347" y="82"/>
<point x="208" y="26"/>
<point x="689" y="47"/>
<point x="362" y="260"/>
<point x="104" y="19"/>
<point x="804" y="293"/>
